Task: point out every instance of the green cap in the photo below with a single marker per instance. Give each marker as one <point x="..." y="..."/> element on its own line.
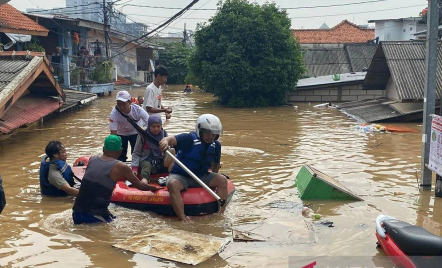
<point x="112" y="143"/>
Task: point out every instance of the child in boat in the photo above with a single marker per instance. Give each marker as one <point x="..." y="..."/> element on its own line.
<point x="147" y="157"/>
<point x="56" y="177"/>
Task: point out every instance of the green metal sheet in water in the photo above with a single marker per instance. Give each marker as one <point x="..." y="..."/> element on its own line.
<point x="315" y="185"/>
<point x="176" y="245"/>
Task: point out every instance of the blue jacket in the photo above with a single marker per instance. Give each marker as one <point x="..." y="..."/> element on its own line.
<point x="49" y="189"/>
<point x="198" y="159"/>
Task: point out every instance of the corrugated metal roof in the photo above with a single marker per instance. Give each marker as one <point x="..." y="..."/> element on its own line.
<point x="382" y="109"/>
<point x="27" y="110"/>
<point x="404" y="62"/>
<point x="327" y="61"/>
<point x="360" y="56"/>
<point x="9" y="69"/>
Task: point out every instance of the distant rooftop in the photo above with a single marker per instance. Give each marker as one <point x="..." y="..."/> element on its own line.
<point x="398" y="19"/>
<point x="13" y="21"/>
<point x="343" y="33"/>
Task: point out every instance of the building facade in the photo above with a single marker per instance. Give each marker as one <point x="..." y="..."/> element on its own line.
<point x="404" y="29"/>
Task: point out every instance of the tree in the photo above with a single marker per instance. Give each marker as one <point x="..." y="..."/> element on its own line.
<point x="246" y="55"/>
<point x="175" y="57"/>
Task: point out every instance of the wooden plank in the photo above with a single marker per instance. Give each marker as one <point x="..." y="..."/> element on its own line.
<point x="176" y="245"/>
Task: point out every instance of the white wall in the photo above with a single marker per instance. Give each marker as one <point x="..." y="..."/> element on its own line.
<point x="397" y="30"/>
<point x="392" y="90"/>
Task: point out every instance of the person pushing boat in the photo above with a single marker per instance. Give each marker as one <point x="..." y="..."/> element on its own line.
<point x="199" y="151"/>
<point x="102" y="173"/>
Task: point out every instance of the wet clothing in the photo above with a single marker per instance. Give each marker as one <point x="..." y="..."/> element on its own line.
<point x="50" y="180"/>
<point x="189" y="182"/>
<point x="195" y="154"/>
<point x="152" y="97"/>
<point x="2" y="196"/>
<point x="80" y="217"/>
<point x="146" y="151"/>
<point x="96" y="189"/>
<point x="125" y="140"/>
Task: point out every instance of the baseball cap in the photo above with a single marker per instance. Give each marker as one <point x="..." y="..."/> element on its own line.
<point x="123" y="96"/>
<point x="112" y="143"/>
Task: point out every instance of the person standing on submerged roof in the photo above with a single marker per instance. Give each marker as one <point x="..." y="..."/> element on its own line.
<point x="102" y="174"/>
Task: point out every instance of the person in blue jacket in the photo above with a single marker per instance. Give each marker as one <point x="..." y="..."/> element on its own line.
<point x="199" y="151"/>
<point x="56" y="176"/>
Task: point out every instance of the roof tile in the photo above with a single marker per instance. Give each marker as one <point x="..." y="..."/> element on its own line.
<point x="11" y="18"/>
<point x="343" y="33"/>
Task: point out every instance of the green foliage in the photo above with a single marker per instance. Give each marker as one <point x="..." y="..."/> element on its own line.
<point x="246" y="55"/>
<point x="175" y="58"/>
<point x="102" y="73"/>
<point x="34" y="46"/>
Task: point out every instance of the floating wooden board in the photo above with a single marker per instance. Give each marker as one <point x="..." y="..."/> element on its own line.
<point x="176" y="245"/>
<point x="246" y="236"/>
<point x="315" y="185"/>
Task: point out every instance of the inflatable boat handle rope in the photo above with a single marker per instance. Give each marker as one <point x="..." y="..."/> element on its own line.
<point x="153" y="140"/>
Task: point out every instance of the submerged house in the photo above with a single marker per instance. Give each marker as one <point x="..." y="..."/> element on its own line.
<point x="28" y="90"/>
<point x="131" y="59"/>
<point x="399" y="69"/>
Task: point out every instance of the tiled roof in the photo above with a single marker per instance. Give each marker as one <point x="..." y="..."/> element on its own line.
<point x="404" y="62"/>
<point x="27" y="110"/>
<point x="343" y="33"/>
<point x="11" y="20"/>
<point x="18" y="71"/>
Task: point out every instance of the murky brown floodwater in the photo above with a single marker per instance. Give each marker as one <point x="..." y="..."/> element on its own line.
<point x="263" y="149"/>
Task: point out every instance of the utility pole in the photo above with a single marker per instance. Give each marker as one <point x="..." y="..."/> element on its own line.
<point x="105" y="28"/>
<point x="430" y="88"/>
<point x="184" y="34"/>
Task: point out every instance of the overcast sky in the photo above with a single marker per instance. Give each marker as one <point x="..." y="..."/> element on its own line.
<point x="301" y="18"/>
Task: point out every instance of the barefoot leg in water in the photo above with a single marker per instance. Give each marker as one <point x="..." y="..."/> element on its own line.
<point x="175" y="187"/>
<point x="220" y="182"/>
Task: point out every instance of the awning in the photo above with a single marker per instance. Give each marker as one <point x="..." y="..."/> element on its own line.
<point x="27" y="110"/>
<point x="17" y="38"/>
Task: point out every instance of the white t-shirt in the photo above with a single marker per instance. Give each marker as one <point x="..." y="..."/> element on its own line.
<point x="152" y="97"/>
<point x="119" y="123"/>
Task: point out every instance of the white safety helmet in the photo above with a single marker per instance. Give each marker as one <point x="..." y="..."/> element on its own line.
<point x="208" y="122"/>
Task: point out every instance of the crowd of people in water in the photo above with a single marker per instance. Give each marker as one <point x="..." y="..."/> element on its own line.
<point x="130" y="122"/>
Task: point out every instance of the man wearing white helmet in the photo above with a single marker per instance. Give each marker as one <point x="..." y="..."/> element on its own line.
<point x="199" y="151"/>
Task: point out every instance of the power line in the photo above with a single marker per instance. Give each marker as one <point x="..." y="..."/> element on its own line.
<point x="288" y="8"/>
<point x="62" y="8"/>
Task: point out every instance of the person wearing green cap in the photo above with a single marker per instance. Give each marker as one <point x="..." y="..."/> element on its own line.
<point x="99" y="180"/>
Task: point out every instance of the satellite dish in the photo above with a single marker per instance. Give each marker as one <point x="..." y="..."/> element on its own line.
<point x="2" y="2"/>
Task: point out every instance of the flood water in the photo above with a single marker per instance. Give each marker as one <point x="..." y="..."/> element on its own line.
<point x="263" y="150"/>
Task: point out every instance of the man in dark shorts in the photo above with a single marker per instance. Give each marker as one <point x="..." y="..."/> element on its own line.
<point x="199" y="151"/>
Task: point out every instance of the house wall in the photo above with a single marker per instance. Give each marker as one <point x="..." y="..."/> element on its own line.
<point x="391" y="90"/>
<point x="334" y="93"/>
<point x="126" y="63"/>
<point x="397" y="30"/>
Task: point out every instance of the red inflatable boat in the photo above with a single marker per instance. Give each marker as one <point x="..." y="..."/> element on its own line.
<point x="197" y="201"/>
<point x="407" y="245"/>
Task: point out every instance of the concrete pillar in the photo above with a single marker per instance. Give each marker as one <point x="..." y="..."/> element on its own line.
<point x="66" y="67"/>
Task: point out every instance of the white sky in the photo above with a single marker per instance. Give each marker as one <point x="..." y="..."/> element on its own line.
<point x="301" y="18"/>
